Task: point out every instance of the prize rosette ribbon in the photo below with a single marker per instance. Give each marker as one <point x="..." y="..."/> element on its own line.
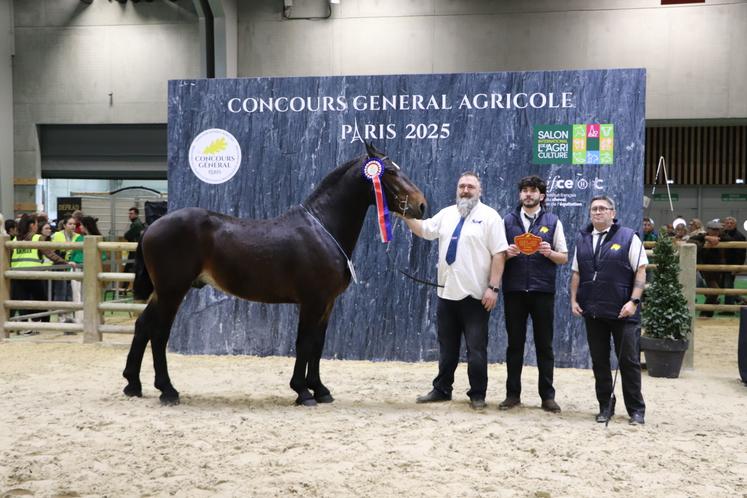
<point x="373" y="169"/>
<point x="528" y="243"/>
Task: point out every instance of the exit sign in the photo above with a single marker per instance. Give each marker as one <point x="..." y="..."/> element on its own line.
<point x="733" y="197"/>
<point x="665" y="197"/>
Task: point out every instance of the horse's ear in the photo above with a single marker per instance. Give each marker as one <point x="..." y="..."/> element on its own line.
<point x="370" y="149"/>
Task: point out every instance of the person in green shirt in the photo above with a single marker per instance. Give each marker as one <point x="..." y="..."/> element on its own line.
<point x="88" y="226"/>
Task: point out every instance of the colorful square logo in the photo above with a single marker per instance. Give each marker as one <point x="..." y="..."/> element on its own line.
<point x="574" y="144"/>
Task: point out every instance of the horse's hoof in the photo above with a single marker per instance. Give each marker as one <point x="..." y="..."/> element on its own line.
<point x="169" y="400"/>
<point x="133" y="391"/>
<point x="305" y="402"/>
<point x="324" y="398"/>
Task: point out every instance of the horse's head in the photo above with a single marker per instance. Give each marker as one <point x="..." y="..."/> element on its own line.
<point x="403" y="197"/>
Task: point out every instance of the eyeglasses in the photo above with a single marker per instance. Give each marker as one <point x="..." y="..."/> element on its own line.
<point x="600" y="209"/>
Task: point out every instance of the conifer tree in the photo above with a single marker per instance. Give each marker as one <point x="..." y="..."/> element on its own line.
<point x="665" y="313"/>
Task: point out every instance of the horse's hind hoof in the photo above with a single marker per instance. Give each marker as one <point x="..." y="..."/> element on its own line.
<point x="324" y="398"/>
<point x="133" y="391"/>
<point x="169" y="400"/>
<point x="305" y="402"/>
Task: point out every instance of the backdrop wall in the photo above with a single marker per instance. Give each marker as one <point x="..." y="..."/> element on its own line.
<point x="583" y="131"/>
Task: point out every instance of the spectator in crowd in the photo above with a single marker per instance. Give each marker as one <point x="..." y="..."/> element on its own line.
<point x="649" y="235"/>
<point x="78" y="217"/>
<point x="696" y="227"/>
<point x="26" y="258"/>
<point x="735" y="256"/>
<point x="681" y="235"/>
<point x="62" y="289"/>
<point x="10" y="228"/>
<point x="710" y="254"/>
<point x="41" y="220"/>
<point x="133" y="234"/>
<point x="88" y="226"/>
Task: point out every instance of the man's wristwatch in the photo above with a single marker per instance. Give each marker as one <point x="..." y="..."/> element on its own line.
<point x="635" y="301"/>
<point x="494" y="289"/>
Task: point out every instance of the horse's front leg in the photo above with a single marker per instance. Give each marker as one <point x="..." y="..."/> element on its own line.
<point x="313" y="379"/>
<point x="309" y="321"/>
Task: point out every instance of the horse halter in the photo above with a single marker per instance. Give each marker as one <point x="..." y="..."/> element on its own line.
<point x="403" y="204"/>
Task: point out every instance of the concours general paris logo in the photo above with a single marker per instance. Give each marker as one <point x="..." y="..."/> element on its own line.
<point x="214" y="156"/>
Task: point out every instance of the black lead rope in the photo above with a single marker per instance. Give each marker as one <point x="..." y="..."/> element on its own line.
<point x="408" y="275"/>
<point x="392" y="266"/>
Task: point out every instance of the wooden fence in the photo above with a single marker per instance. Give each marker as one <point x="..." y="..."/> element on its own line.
<point x="709" y="291"/>
<point x="93" y="279"/>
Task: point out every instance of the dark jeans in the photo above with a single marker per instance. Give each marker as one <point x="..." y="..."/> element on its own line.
<point x="729" y="284"/>
<point x="61" y="290"/>
<point x="626" y="338"/>
<point x="456" y="318"/>
<point x="518" y="307"/>
<point x="29" y="290"/>
<point x="714" y="280"/>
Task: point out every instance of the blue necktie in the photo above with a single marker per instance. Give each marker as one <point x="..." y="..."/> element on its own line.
<point x="451" y="251"/>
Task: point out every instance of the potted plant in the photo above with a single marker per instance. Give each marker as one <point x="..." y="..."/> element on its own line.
<point x="666" y="317"/>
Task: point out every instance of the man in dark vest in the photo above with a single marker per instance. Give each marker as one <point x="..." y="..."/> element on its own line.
<point x="529" y="289"/>
<point x="609" y="274"/>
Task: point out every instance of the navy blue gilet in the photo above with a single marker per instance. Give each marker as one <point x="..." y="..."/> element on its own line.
<point x="605" y="287"/>
<point x="534" y="273"/>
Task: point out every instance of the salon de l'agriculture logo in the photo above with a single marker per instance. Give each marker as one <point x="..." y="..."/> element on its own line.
<point x="573" y="144"/>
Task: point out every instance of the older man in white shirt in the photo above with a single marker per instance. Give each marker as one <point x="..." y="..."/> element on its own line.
<point x="471" y="255"/>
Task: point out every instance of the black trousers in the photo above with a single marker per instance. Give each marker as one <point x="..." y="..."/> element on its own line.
<point x="714" y="280"/>
<point x="518" y="307"/>
<point x="626" y="336"/>
<point x="29" y="290"/>
<point x="454" y="319"/>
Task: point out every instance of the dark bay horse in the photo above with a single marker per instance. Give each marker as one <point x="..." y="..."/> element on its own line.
<point x="294" y="258"/>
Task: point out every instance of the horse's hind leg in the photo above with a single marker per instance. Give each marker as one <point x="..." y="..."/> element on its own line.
<point x="310" y="321"/>
<point x="137" y="350"/>
<point x="165" y="312"/>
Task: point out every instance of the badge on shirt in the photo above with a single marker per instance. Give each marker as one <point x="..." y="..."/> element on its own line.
<point x="528" y="243"/>
<point x="544" y="229"/>
<point x="615" y="247"/>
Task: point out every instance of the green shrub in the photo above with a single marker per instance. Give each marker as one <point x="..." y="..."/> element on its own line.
<point x="665" y="313"/>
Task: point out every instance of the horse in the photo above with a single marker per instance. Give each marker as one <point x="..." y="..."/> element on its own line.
<point x="300" y="257"/>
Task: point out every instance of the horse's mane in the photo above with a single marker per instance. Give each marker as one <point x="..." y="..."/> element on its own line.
<point x="331" y="179"/>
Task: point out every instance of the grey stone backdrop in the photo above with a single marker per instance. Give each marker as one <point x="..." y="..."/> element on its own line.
<point x="286" y="154"/>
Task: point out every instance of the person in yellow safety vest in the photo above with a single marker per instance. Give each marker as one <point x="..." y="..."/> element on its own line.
<point x="27" y="258"/>
<point x="45" y="234"/>
<point x="61" y="289"/>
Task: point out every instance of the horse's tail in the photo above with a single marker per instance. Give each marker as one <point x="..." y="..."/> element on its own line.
<point x="142" y="288"/>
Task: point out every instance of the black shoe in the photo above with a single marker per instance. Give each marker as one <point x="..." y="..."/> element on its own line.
<point x="637" y="419"/>
<point x="549" y="405"/>
<point x="433" y="397"/>
<point x="606" y="412"/>
<point x="477" y="403"/>
<point x="509" y="402"/>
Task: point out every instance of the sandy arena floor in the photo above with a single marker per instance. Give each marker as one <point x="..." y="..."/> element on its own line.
<point x="66" y="430"/>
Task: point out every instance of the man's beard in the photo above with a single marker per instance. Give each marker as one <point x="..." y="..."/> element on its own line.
<point x="530" y="203"/>
<point x="465" y="205"/>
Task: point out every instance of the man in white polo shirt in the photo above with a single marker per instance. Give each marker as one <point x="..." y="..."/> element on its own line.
<point x="471" y="253"/>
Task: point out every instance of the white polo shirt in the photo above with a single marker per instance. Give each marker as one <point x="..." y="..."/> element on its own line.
<point x="483" y="235"/>
<point x="636" y="254"/>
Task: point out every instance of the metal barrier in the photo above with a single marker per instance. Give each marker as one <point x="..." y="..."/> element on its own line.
<point x="93" y="280"/>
